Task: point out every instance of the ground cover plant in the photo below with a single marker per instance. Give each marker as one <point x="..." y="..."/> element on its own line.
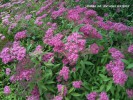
<point x="63" y="50"/>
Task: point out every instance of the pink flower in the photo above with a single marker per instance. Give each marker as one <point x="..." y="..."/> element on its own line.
<point x="77" y="84"/>
<point x="62" y="89"/>
<point x="28" y="17"/>
<point x="77" y="0"/>
<point x="58" y="13"/>
<point x="119" y="27"/>
<point x="8" y="70"/>
<point x="6" y="56"/>
<point x="106" y="14"/>
<point x="3" y="37"/>
<point x="73" y="15"/>
<point x="38" y="48"/>
<point x="58" y="98"/>
<point x="103" y="96"/>
<point x="20" y="35"/>
<point x="90" y="13"/>
<point x="90" y="31"/>
<point x="35" y="95"/>
<point x="64" y="72"/>
<point x="129" y="93"/>
<point x="7" y="90"/>
<point x="92" y="96"/>
<point x="119" y="76"/>
<point x="116" y="54"/>
<point x="130" y="49"/>
<point x="94" y="48"/>
<point x="48" y="56"/>
<point x="116" y="63"/>
<point x="25" y="74"/>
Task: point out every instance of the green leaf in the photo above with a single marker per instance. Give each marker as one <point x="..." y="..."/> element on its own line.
<point x="102" y="88"/>
<point x="104" y="78"/>
<point x="50" y="82"/>
<point x="66" y="98"/>
<point x="75" y="94"/>
<point x="71" y="90"/>
<point x="88" y="63"/>
<point x="125" y="61"/>
<point x="109" y="86"/>
<point x="130" y="66"/>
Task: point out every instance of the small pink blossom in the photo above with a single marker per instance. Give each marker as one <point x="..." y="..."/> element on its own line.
<point x="77" y="84"/>
<point x="129" y="93"/>
<point x="7" y="90"/>
<point x="62" y="89"/>
<point x="28" y="17"/>
<point x="103" y="96"/>
<point x="64" y="72"/>
<point x="8" y="70"/>
<point x="92" y="96"/>
<point x="94" y="48"/>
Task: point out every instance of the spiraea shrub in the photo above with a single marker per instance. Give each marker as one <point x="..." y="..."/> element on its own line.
<point x="55" y="50"/>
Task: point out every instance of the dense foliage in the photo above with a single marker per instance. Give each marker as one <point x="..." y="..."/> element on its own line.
<point x="65" y="50"/>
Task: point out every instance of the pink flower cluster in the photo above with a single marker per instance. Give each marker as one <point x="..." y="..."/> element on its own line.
<point x="64" y="72"/>
<point x="116" y="54"/>
<point x="7" y="90"/>
<point x="48" y="56"/>
<point x="103" y="96"/>
<point x="59" y="12"/>
<point x="94" y="95"/>
<point x="90" y="13"/>
<point x="130" y="49"/>
<point x="35" y="95"/>
<point x="2" y="37"/>
<point x="119" y="76"/>
<point x="5" y="20"/>
<point x="8" y="71"/>
<point x="94" y="48"/>
<point x="129" y="93"/>
<point x="25" y="74"/>
<point x="119" y="27"/>
<point x="16" y="52"/>
<point x="39" y="21"/>
<point x="77" y="84"/>
<point x="90" y="31"/>
<point x="62" y="89"/>
<point x="116" y="67"/>
<point x="28" y="17"/>
<point x="58" y="98"/>
<point x="47" y="4"/>
<point x="38" y="48"/>
<point x="53" y="40"/>
<point x="52" y="25"/>
<point x="116" y="63"/>
<point x="74" y="45"/>
<point x="105" y="25"/>
<point x="75" y="13"/>
<point x="20" y="35"/>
